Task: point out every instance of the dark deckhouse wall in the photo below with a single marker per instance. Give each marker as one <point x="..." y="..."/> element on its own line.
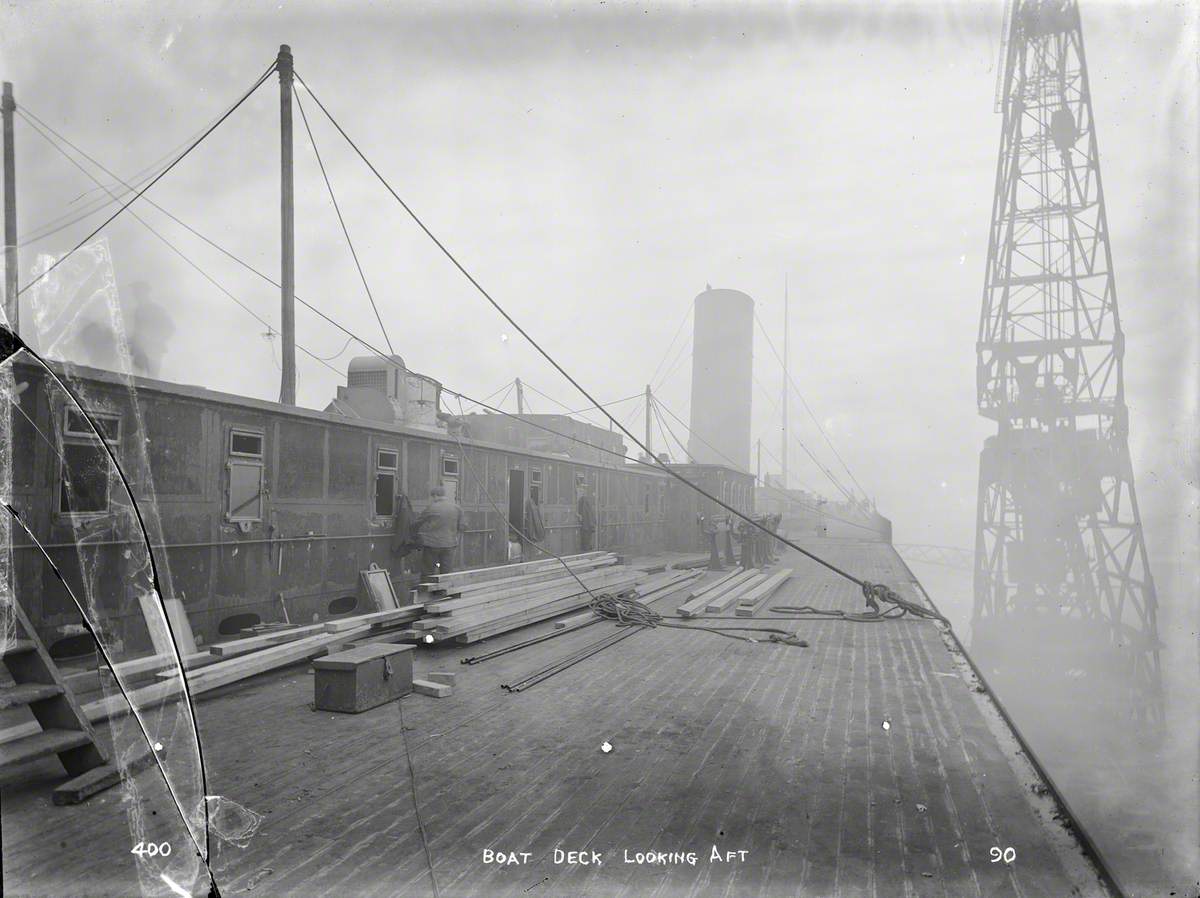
<point x="265" y="507"/>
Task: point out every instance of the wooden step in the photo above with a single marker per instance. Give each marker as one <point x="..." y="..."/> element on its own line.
<point x="18" y="646"/>
<point x="39" y="745"/>
<point x="27" y="693"/>
<point x="98" y="779"/>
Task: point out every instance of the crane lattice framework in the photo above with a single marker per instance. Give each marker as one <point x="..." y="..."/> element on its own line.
<point x="1059" y="536"/>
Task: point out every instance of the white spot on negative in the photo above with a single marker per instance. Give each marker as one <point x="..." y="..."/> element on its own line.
<point x="429" y="638"/>
<point x="887" y="724"/>
<point x="158" y="746"/>
<point x="605" y="746"/>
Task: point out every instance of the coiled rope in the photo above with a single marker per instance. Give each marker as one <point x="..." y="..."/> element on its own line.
<point x="874" y="593"/>
<point x="626" y="612"/>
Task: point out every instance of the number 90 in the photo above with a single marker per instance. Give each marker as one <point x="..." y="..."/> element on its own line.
<point x="1008" y="855"/>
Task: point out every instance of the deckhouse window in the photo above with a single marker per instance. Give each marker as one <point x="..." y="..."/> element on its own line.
<point x="245" y="467"/>
<point x="84" y="466"/>
<point x="387" y="461"/>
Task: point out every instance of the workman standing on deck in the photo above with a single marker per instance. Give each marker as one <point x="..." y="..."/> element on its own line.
<point x="438" y="531"/>
<point x="587" y="522"/>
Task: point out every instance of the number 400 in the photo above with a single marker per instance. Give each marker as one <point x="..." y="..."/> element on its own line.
<point x="150" y="849"/>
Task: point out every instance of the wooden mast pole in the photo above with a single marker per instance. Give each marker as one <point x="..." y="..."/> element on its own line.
<point x="649" y="435"/>
<point x="287" y="312"/>
<point x="11" y="306"/>
<point x="784" y="434"/>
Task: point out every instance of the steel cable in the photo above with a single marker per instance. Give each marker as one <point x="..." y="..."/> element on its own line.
<point x="244" y="97"/>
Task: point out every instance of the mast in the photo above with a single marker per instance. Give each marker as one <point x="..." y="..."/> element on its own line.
<point x="784" y="434"/>
<point x="11" y="307"/>
<point x="649" y="436"/>
<point x="287" y="280"/>
<point x="520" y="396"/>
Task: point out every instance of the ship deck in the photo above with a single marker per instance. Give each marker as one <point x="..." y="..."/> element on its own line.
<point x="776" y="751"/>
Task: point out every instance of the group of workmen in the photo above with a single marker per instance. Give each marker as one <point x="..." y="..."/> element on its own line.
<point x="757" y="540"/>
<point x="437" y="531"/>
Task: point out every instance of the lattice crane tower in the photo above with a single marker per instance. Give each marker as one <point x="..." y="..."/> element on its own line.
<point x="1059" y="538"/>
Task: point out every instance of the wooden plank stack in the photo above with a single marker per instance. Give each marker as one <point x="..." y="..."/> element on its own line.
<point x="698" y="599"/>
<point x="473" y="605"/>
<point x="232" y="661"/>
<point x="754" y="598"/>
<point x="747" y="590"/>
<point x="719" y="601"/>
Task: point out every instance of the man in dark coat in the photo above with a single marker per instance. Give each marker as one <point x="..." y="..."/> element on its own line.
<point x="438" y="530"/>
<point x="587" y="523"/>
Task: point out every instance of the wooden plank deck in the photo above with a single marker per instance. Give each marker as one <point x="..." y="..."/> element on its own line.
<point x="717" y="745"/>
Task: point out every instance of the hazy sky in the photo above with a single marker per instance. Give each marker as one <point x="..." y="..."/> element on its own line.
<point x="595" y="164"/>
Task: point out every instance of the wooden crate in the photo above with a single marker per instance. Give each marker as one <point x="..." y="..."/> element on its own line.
<point x="363" y="677"/>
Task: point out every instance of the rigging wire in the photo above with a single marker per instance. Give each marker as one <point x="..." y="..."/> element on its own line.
<point x="807" y="408"/>
<point x="62" y="222"/>
<point x="175" y="249"/>
<point x="580" y="411"/>
<point x="775" y="458"/>
<point x="155" y="180"/>
<point x="787" y="497"/>
<point x="869" y="589"/>
<point x="269" y="280"/>
<point x="512" y="385"/>
<point x="633" y="412"/>
<point x="340" y="352"/>
<point x="341" y="221"/>
<point x="841" y="487"/>
<point x="656" y="418"/>
<point x="667" y="351"/>
<point x="568" y="411"/>
<point x="352" y="337"/>
<point x="503" y="388"/>
<point x="662" y="425"/>
<point x="93" y="206"/>
<point x="684" y="352"/>
<point x="520" y="532"/>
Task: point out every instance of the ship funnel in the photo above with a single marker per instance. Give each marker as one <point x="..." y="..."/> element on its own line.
<point x="722" y="356"/>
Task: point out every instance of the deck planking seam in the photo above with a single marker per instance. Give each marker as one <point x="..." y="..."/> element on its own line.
<point x="1010" y="872"/>
<point x="919" y="850"/>
<point x="678" y="831"/>
<point x="727" y="797"/>
<point x="553" y="773"/>
<point x="610" y="799"/>
<point x="632" y="672"/>
<point x="974" y="786"/>
<point x="463" y="785"/>
<point x="793" y="860"/>
<point x="669" y="638"/>
<point x="753" y="756"/>
<point x="647" y="810"/>
<point x="826" y="707"/>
